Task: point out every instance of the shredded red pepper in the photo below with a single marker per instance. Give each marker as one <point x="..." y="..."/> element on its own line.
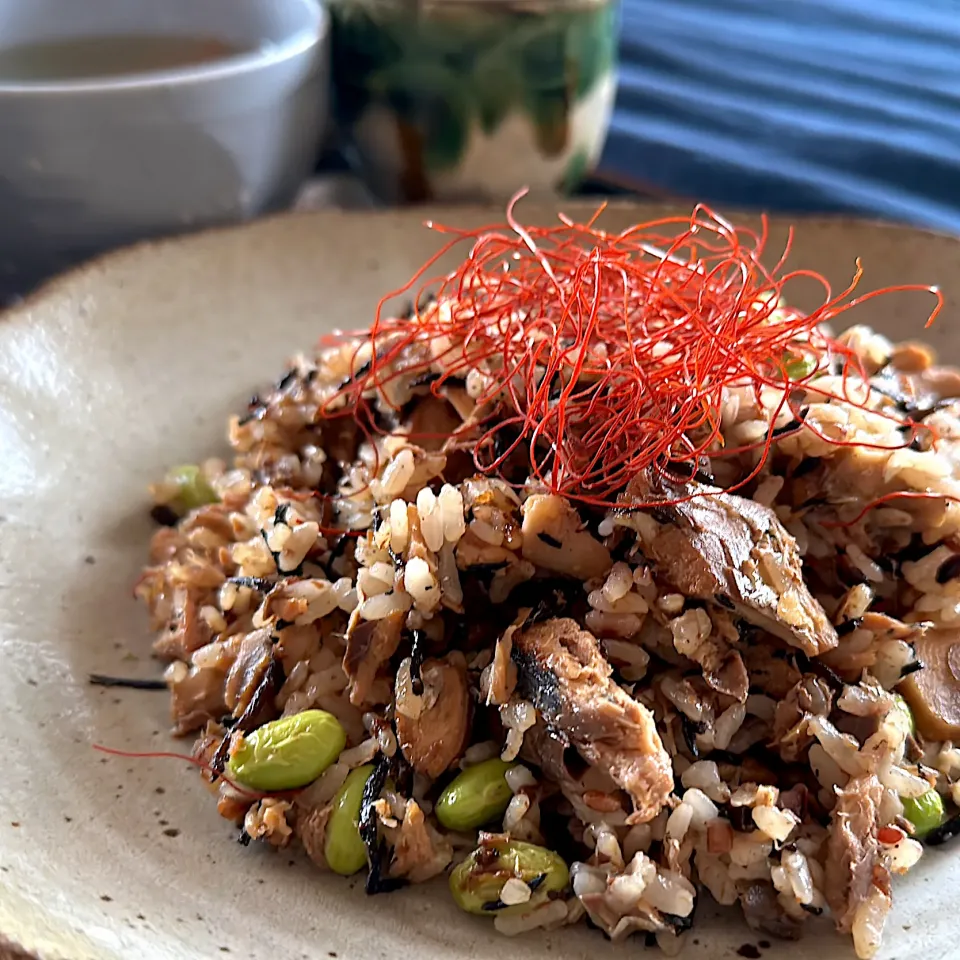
<point x="606" y="354"/>
<point x="187" y="758"/>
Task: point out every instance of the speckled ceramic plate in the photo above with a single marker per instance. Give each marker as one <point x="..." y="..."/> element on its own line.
<point x="107" y="376"/>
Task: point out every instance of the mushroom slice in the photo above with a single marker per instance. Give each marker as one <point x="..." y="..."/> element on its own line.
<point x="934" y="692"/>
<point x="435" y="739"/>
<point x="554" y="539"/>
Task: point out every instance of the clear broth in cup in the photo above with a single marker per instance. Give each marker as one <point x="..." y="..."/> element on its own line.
<point x="87" y="58"/>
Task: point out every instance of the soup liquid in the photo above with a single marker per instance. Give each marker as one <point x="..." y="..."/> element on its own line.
<point x="82" y="58"/>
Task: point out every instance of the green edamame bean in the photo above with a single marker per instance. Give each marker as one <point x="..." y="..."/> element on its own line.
<point x="288" y="753"/>
<point x="799" y="367"/>
<point x="475" y="796"/>
<point x="477" y="881"/>
<point x="343" y="848"/>
<point x="192" y="488"/>
<point x="905" y="713"/>
<point x="925" y="812"/>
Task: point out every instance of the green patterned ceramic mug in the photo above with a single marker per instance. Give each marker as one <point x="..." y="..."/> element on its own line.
<point x="455" y="99"/>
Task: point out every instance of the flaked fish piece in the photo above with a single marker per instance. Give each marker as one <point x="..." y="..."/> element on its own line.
<point x="419" y="851"/>
<point x="563" y="672"/>
<point x="696" y="637"/>
<point x="853" y="864"/>
<point x="810" y="696"/>
<point x="732" y="551"/>
<point x="589" y="789"/>
<point x="187" y="631"/>
<point x="311" y="828"/>
<point x="197" y="698"/>
<point x="503" y="671"/>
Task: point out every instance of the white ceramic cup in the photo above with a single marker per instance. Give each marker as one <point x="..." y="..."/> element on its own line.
<point x="90" y="164"/>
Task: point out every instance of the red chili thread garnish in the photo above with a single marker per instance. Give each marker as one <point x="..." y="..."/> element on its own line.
<point x="610" y="354"/>
<point x="887" y="498"/>
<point x="337" y="532"/>
<point x="196" y="761"/>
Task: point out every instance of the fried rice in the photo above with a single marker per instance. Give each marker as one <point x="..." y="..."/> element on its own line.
<point x="723" y="696"/>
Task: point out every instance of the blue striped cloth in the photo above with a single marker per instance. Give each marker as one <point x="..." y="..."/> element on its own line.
<point x="837" y="105"/>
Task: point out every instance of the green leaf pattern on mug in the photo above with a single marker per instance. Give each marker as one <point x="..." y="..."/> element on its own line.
<point x="423" y="94"/>
<point x="443" y="71"/>
<point x="495" y="86"/>
<point x="577" y="167"/>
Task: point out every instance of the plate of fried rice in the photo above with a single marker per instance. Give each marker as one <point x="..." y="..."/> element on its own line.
<point x="447" y="582"/>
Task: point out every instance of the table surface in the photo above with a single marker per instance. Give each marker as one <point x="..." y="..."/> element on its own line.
<point x="815" y="105"/>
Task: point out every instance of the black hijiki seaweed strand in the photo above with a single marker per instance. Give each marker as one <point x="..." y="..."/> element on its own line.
<point x="260" y="584"/>
<point x="337" y="549"/>
<point x="915" y="550"/>
<point x="949" y="569"/>
<point x="685" y="471"/>
<point x="807" y="664"/>
<point x="134" y="683"/>
<point x="681" y="924"/>
<point x="417" y="654"/>
<point x="256" y="409"/>
<point x="164" y="515"/>
<point x="848" y="626"/>
<point x="536" y="881"/>
<point x="280" y="517"/>
<point x="740" y="818"/>
<point x="691" y="728"/>
<point x="943" y="833"/>
<point x="286" y="380"/>
<point x="375" y="847"/>
<point x="911" y="667"/>
<point x="797" y="423"/>
<point x="549" y="540"/>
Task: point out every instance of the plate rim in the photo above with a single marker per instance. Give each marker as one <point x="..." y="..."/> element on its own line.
<point x="65" y="284"/>
<point x="61" y="282"/>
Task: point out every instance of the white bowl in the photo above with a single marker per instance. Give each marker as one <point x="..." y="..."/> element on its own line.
<point x="89" y="164"/>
